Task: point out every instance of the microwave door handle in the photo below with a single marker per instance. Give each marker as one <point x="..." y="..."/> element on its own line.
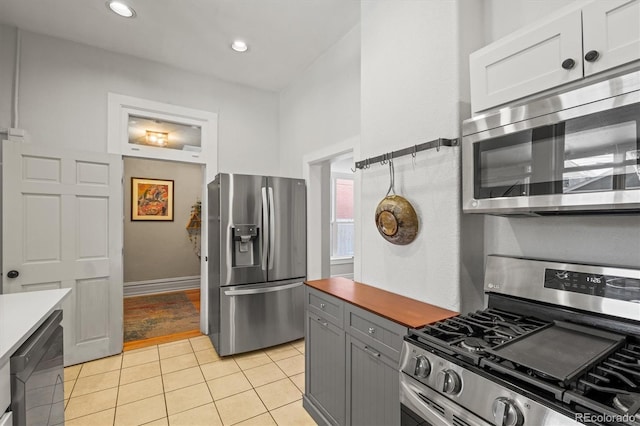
<point x="265" y="229"/>
<point x="272" y="229"/>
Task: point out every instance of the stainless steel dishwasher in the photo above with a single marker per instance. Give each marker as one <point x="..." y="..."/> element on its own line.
<point x="37" y="376"/>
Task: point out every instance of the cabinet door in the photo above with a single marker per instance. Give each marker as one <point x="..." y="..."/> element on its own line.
<point x="612" y="29"/>
<point x="373" y="386"/>
<point x="527" y="62"/>
<point x="325" y="369"/>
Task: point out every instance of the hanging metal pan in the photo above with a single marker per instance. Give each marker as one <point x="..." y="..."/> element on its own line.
<point x="396" y="219"/>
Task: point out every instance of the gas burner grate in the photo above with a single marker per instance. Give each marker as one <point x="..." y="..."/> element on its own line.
<point x="469" y="335"/>
<point x="611" y="386"/>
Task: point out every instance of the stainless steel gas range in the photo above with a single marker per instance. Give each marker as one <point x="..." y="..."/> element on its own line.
<point x="559" y="344"/>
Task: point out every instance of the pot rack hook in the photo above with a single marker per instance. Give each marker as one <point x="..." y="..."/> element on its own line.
<point x="413" y="156"/>
<point x="353" y="170"/>
<point x="392" y="173"/>
<point x="384" y="159"/>
<point x="438" y="146"/>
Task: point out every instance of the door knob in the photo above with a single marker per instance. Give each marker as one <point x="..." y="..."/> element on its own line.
<point x="567" y="64"/>
<point x="13" y="274"/>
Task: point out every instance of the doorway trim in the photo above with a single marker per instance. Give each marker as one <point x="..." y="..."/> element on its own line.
<point x="315" y="166"/>
<point x="119" y="108"/>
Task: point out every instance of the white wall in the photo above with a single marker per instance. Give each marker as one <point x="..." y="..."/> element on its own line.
<point x="407" y="84"/>
<point x="470" y="38"/>
<point x="7" y="50"/>
<point x="322" y="106"/>
<point x="601" y="239"/>
<point x="410" y="94"/>
<point x="63" y="100"/>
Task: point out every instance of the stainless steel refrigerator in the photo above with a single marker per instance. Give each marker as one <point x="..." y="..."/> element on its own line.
<point x="257" y="261"/>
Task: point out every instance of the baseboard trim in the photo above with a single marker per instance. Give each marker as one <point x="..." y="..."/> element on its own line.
<point x="163" y="285"/>
<point x="314" y="412"/>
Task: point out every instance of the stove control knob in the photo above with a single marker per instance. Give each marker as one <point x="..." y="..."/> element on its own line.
<point x="449" y="382"/>
<point x="506" y="413"/>
<point x="423" y="367"/>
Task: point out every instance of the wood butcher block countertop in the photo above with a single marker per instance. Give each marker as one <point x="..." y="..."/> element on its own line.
<point x="400" y="309"/>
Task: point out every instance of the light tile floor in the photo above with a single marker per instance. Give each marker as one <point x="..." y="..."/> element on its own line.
<point x="187" y="383"/>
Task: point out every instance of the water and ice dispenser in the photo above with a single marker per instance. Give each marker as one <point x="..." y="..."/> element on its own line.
<point x="246" y="245"/>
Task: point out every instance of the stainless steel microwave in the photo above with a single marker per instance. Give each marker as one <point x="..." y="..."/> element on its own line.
<point x="578" y="151"/>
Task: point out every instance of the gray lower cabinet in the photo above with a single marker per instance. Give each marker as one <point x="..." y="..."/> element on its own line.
<point x="324" y="358"/>
<point x="373" y="386"/>
<point x="352" y="357"/>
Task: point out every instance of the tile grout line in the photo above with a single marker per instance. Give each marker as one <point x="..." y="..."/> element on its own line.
<point x="164" y="393"/>
<point x="115" y="411"/>
<point x="206" y="383"/>
<point x="253" y="388"/>
<point x="256" y="392"/>
<point x="148" y="397"/>
<point x="90" y="414"/>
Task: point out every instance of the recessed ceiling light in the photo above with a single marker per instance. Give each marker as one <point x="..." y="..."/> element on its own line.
<point x="239" y="46"/>
<point x="121" y="9"/>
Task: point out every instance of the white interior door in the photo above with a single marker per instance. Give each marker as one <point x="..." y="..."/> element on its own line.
<point x="62" y="227"/>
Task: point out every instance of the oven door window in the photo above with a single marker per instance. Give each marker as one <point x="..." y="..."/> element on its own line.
<point x="592" y="153"/>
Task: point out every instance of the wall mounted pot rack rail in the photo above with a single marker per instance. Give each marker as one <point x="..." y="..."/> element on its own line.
<point x="384" y="158"/>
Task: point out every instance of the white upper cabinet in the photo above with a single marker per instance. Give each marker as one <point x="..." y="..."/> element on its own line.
<point x="611" y="34"/>
<point x="550" y="53"/>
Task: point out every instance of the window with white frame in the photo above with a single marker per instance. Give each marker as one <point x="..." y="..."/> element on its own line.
<point x="342" y="226"/>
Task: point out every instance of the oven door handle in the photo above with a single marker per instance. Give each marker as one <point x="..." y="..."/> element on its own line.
<point x="411" y="398"/>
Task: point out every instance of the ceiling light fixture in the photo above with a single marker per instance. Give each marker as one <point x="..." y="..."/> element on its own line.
<point x="121" y="9"/>
<point x="239" y="46"/>
<point x="157" y="138"/>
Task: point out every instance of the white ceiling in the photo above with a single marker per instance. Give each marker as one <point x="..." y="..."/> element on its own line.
<point x="284" y="36"/>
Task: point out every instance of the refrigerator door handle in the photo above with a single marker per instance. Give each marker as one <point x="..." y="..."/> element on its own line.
<point x="272" y="231"/>
<point x="265" y="229"/>
<point x="261" y="290"/>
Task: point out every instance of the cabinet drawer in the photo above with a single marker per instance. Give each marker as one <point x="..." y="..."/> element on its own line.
<point x="381" y="334"/>
<point x="328" y="307"/>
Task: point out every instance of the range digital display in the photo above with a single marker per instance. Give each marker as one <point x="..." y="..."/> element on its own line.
<point x="607" y="286"/>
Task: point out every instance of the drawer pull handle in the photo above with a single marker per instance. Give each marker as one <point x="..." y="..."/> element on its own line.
<point x="372" y="352"/>
<point x="372" y="330"/>
<point x="322" y="305"/>
<point x="323" y="323"/>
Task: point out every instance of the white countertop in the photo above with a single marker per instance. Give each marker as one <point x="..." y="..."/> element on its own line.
<point x="21" y="314"/>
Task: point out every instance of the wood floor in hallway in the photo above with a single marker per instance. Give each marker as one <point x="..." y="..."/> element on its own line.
<point x="194" y="297"/>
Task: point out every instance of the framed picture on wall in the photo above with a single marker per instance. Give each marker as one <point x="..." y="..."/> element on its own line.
<point x="151" y="199"/>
